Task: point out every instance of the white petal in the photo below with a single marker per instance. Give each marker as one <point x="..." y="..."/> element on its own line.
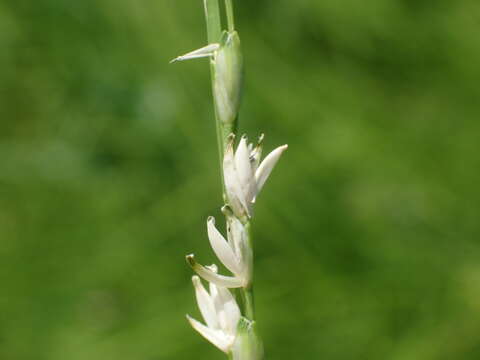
<point x="213" y="294"/>
<point x="256" y="153"/>
<point x="227" y="310"/>
<point x="236" y="198"/>
<point x="221" y="247"/>
<point x="216" y="337"/>
<point x="205" y="51"/>
<point x="236" y="235"/>
<point x="230" y="312"/>
<point x="267" y="166"/>
<point x="238" y="239"/>
<point x="209" y="275"/>
<point x="219" y="307"/>
<point x="205" y="304"/>
<point x="247" y="262"/>
<point x="244" y="171"/>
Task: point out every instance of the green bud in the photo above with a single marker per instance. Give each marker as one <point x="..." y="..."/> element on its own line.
<point x="247" y="344"/>
<point x="228" y="76"/>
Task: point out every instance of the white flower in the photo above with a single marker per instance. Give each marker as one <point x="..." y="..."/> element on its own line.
<point x="220" y="312"/>
<point x="235" y="254"/>
<point x="243" y="175"/>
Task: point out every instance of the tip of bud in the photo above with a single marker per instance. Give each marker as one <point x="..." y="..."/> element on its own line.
<point x="195" y="280"/>
<point x="211" y="219"/>
<point x="190" y="260"/>
<point x="227" y="210"/>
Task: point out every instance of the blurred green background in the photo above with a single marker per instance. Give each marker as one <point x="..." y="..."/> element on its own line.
<point x="366" y="236"/>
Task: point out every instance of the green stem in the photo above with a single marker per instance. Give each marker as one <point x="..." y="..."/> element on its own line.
<point x="223" y="131"/>
<point x="212" y="15"/>
<point x="230" y="18"/>
<point x="246" y="295"/>
<point x="214" y="32"/>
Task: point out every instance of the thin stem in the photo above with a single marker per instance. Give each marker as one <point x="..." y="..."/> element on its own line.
<point x="214" y="31"/>
<point x="246" y="295"/>
<point x="223" y="131"/>
<point x="212" y="15"/>
<point x="230" y="18"/>
<point x="220" y="143"/>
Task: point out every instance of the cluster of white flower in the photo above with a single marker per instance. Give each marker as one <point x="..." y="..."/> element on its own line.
<point x="244" y="177"/>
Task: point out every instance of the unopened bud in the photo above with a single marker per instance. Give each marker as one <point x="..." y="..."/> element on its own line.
<point x="247" y="344"/>
<point x="228" y="76"/>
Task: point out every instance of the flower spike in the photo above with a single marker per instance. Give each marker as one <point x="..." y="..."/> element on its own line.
<point x="244" y="174"/>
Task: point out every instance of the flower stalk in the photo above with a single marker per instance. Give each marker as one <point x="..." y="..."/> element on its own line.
<point x="230" y="327"/>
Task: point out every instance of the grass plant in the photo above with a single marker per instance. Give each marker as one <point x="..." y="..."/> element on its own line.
<point x="229" y="326"/>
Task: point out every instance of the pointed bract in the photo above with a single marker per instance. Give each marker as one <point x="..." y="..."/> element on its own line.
<point x="205" y="51"/>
